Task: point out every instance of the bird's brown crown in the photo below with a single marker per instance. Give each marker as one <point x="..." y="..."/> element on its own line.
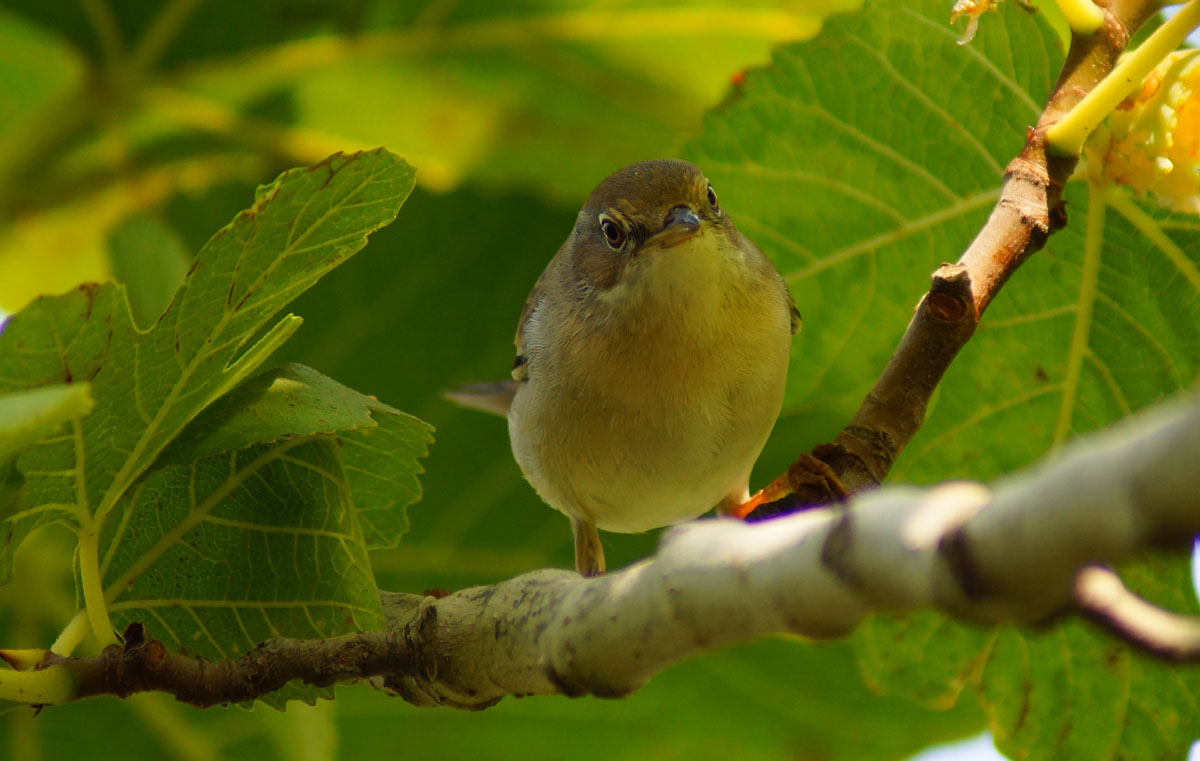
<point x="628" y="207"/>
<point x="647" y="190"/>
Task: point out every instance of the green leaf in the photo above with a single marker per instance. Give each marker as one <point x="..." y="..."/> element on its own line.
<point x="218" y="555"/>
<point x="381" y="467"/>
<point x="281" y="403"/>
<point x="27" y="417"/>
<point x="859" y="161"/>
<point x="379" y="449"/>
<point x="148" y="386"/>
<point x="11" y="482"/>
<point x="251" y="523"/>
<point x="149" y="258"/>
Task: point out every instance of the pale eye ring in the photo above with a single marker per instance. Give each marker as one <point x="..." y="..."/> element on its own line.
<point x="712" y="199"/>
<point x="614" y="234"/>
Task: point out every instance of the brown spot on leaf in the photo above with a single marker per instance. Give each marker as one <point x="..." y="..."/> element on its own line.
<point x="89" y="290"/>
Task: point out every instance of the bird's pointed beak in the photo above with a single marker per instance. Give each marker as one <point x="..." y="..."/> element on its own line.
<point x="680" y="224"/>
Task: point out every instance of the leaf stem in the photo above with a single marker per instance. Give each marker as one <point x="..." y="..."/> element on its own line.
<point x="72" y="634"/>
<point x="56" y="684"/>
<point x="1083" y="16"/>
<point x="93" y="589"/>
<point x="1066" y="137"/>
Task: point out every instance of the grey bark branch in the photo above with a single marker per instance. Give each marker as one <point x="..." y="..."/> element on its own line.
<point x="1013" y="552"/>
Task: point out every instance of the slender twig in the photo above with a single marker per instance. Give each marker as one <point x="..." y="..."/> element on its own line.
<point x="143" y="664"/>
<point x="1030" y="209"/>
<point x="1102" y="597"/>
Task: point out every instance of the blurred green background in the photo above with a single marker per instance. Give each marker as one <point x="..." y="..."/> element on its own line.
<point x="858" y="160"/>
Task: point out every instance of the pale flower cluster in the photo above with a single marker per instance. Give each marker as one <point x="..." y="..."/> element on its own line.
<point x="1151" y="143"/>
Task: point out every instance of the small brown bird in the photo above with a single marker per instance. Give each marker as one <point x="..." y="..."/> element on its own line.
<point x="651" y="362"/>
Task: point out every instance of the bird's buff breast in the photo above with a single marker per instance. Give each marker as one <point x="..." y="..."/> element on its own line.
<point x="661" y="418"/>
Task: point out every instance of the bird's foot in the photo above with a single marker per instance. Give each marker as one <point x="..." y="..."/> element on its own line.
<point x="806" y="470"/>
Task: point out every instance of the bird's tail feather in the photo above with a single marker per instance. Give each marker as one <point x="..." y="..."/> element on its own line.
<point x="495" y="397"/>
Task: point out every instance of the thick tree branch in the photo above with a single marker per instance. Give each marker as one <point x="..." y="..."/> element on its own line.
<point x="1012" y="554"/>
<point x="1030" y="209"/>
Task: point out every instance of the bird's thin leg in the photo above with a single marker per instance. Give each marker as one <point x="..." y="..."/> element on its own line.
<point x="739" y="507"/>
<point x="589" y="555"/>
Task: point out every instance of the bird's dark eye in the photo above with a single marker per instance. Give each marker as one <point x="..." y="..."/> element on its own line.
<point x="712" y="199"/>
<point x="614" y="234"/>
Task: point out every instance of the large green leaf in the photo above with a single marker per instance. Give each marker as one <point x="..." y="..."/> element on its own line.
<point x="284" y="402"/>
<point x="859" y="161"/>
<point x="148" y="386"/>
<point x="149" y="259"/>
<point x="25" y="418"/>
<point x="379" y="445"/>
<point x="230" y="517"/>
<point x="218" y="555"/>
